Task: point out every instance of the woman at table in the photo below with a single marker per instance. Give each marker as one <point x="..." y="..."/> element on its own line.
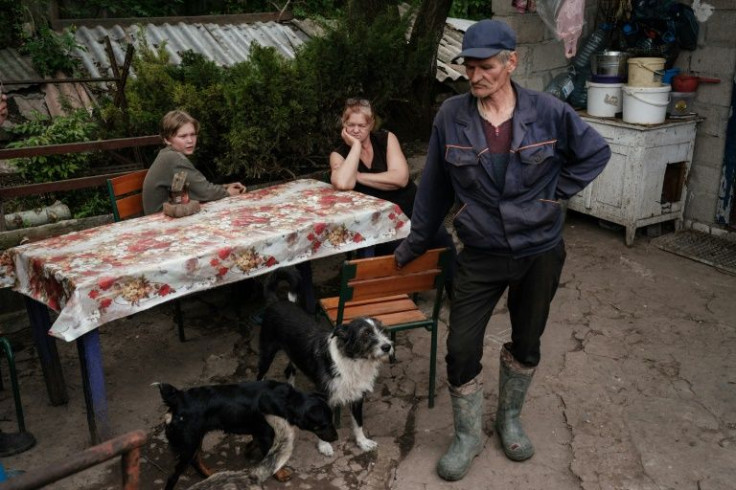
<point x="372" y="162"/>
<point x="179" y="132"/>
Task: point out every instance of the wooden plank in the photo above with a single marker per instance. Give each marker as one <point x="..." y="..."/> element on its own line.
<point x="385" y="265"/>
<point x="131" y="206"/>
<point x="132" y="182"/>
<point x="374" y="307"/>
<point x="401" y="317"/>
<point x="14" y="238"/>
<point x="329" y="303"/>
<point x="62" y="185"/>
<point x="376" y="288"/>
<point x="101" y="145"/>
<point x="389" y="318"/>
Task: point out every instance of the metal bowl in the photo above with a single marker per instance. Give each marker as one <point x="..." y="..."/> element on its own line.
<point x="611" y="63"/>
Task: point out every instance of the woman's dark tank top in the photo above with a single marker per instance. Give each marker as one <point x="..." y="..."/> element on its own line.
<point x="403" y="197"/>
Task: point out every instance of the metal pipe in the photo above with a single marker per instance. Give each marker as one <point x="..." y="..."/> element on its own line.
<point x="127" y="446"/>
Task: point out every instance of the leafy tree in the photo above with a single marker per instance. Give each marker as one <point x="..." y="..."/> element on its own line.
<point x="367" y="11"/>
<point x="425" y="39"/>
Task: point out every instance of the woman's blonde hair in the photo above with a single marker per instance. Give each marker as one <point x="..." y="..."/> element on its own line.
<point x="356" y="105"/>
<point x="174" y="120"/>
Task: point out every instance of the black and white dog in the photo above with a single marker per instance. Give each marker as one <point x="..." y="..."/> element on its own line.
<point x="267" y="410"/>
<point x="343" y="363"/>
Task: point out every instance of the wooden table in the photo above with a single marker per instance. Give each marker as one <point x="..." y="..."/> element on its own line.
<point x="94" y="276"/>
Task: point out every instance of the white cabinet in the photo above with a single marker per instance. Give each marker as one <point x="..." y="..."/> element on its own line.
<point x="644" y="182"/>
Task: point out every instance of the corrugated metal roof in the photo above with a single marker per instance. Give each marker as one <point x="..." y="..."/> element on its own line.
<point x="229" y="44"/>
<point x="13" y="66"/>
<point x="450" y="45"/>
<point x="225" y="44"/>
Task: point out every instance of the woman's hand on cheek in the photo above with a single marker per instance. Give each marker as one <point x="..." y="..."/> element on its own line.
<point x="348" y="138"/>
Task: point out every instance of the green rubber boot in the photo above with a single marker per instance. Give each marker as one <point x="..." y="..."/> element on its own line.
<point x="513" y="381"/>
<point x="467" y="411"/>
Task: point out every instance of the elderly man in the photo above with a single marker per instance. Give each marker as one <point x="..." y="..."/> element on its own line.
<point x="507" y="156"/>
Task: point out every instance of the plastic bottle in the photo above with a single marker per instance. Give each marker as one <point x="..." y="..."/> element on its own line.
<point x="579" y="95"/>
<point x="630" y="28"/>
<point x="562" y="85"/>
<point x="646" y="44"/>
<point x="594" y="43"/>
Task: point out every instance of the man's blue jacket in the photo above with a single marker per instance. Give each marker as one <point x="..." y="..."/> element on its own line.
<point x="554" y="155"/>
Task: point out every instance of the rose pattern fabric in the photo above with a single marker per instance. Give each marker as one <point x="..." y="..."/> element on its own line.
<point x="100" y="274"/>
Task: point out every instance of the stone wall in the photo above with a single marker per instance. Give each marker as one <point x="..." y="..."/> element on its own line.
<point x="715" y="57"/>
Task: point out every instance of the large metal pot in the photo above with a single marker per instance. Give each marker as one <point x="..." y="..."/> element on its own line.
<point x="610" y="63"/>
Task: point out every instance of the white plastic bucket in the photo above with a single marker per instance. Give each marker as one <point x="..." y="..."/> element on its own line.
<point x="604" y="99"/>
<point x="645" y="105"/>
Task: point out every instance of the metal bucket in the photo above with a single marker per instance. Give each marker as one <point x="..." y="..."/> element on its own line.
<point x="610" y="63"/>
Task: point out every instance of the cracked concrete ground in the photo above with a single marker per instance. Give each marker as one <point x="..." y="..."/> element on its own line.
<point x="636" y="389"/>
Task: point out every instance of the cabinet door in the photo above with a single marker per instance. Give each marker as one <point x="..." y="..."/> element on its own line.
<point x="609" y="196"/>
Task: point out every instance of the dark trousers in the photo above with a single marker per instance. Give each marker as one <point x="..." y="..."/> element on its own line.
<point x="480" y="281"/>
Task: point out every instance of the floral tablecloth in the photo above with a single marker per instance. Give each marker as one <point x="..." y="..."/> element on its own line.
<point x="97" y="275"/>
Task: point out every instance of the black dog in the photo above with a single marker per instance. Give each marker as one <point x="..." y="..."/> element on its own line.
<point x="283" y="284"/>
<point x="267" y="410"/>
<point x="343" y="363"/>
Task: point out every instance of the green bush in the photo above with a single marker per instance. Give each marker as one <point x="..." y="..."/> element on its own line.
<point x="271" y="131"/>
<point x="77" y="126"/>
<point x="472" y="9"/>
<point x="270" y="117"/>
<point x="51" y="52"/>
<point x="94" y="9"/>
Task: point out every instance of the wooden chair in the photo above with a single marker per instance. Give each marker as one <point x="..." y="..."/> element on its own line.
<point x="126" y="197"/>
<point x="374" y="287"/>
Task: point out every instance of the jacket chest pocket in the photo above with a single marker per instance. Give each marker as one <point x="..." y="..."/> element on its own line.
<point x="536" y="162"/>
<point x="463" y="165"/>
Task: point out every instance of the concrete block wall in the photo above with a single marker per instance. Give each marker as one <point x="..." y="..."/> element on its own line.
<point x="541" y="54"/>
<point x="715" y="57"/>
<point x="542" y="57"/>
